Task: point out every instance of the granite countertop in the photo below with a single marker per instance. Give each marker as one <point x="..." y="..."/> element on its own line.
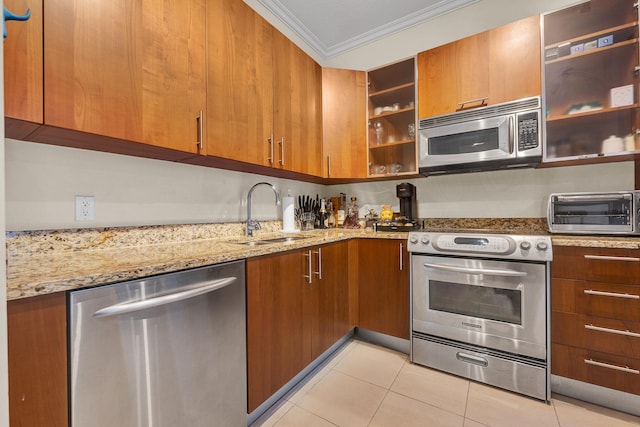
<point x="43" y="262"/>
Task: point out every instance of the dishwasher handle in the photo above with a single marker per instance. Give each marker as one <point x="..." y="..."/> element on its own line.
<point x="128" y="307"/>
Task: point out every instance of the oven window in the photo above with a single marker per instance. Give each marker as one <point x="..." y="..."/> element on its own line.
<point x="467" y="142"/>
<point x="609" y="212"/>
<point x="504" y="305"/>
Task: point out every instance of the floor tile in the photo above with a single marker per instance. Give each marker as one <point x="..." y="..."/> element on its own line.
<point x="297" y="417"/>
<point x="576" y="413"/>
<point x="398" y="410"/>
<point x="302" y="388"/>
<point x="371" y="363"/>
<point x="433" y="387"/>
<point x="497" y="408"/>
<point x="471" y="423"/>
<point x="343" y="400"/>
<point x="273" y="414"/>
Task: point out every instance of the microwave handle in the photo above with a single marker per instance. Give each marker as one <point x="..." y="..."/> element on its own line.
<point x="511" y="134"/>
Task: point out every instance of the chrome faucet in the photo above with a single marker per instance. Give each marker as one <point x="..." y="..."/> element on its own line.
<point x="253" y="224"/>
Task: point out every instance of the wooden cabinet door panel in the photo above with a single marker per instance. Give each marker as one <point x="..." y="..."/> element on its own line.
<point x="277" y="347"/>
<point x="383" y="287"/>
<point x="297" y="108"/>
<point x="596" y="299"/>
<point x="126" y="70"/>
<point x="596" y="333"/>
<point x="330" y="296"/>
<point x="344" y="123"/>
<point x="37" y="341"/>
<point x="23" y="63"/>
<point x="515" y="65"/>
<point x="596" y="264"/>
<point x="239" y="83"/>
<point x="576" y="363"/>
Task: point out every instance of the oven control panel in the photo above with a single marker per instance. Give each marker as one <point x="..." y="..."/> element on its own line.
<point x="530" y="247"/>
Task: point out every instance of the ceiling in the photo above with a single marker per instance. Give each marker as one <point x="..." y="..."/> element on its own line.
<point x="332" y="27"/>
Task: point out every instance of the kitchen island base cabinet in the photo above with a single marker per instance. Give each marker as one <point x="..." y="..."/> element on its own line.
<point x="37" y="340"/>
<point x="383" y="287"/>
<point x="297" y="307"/>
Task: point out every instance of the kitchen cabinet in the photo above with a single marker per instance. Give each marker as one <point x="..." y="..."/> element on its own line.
<point x="591" y="79"/>
<point x="37" y="344"/>
<point x="23" y="76"/>
<point x="392" y="148"/>
<point x="297" y="307"/>
<point x="264" y="93"/>
<point x="344" y="123"/>
<point x="495" y="66"/>
<point x="595" y="316"/>
<point x="383" y="286"/>
<point x="124" y="71"/>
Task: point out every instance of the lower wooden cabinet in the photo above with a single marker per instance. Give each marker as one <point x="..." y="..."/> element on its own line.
<point x="37" y="340"/>
<point x="383" y="286"/>
<point x="297" y="307"/>
<point x="595" y="306"/>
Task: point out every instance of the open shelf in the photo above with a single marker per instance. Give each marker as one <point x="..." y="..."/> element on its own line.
<point x="591" y="113"/>
<point x="593" y="51"/>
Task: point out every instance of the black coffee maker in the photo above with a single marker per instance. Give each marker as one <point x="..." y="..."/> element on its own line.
<point x="408" y="207"/>
<point x="407" y="219"/>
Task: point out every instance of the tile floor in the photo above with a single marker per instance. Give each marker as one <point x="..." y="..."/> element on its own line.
<point x="366" y="385"/>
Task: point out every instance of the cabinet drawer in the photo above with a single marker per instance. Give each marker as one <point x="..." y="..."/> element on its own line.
<point x="596" y="299"/>
<point x="596" y="333"/>
<point x="606" y="370"/>
<point x="596" y="264"/>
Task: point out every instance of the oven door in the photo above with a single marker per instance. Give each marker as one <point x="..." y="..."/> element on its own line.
<point x="478" y="140"/>
<point x="489" y="303"/>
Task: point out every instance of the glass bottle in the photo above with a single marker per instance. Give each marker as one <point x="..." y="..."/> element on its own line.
<point x="351" y="217"/>
<point x="322" y="215"/>
<point x="331" y="220"/>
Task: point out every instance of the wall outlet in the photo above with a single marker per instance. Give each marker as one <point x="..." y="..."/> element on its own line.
<point x="84" y="208"/>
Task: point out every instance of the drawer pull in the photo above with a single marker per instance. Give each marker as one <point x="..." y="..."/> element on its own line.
<point x="612" y="258"/>
<point x="607" y="365"/>
<point x="613" y="331"/>
<point x="611" y="294"/>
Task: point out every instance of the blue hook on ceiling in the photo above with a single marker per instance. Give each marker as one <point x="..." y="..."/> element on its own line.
<point x="9" y="16"/>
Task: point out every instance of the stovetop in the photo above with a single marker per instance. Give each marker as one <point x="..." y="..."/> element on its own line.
<point x="480" y="243"/>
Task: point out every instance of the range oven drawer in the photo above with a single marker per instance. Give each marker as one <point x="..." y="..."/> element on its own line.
<point x="603" y="369"/>
<point x="476" y="363"/>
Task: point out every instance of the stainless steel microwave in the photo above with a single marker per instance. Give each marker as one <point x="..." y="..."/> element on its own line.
<point x="498" y="136"/>
<point x="594" y="213"/>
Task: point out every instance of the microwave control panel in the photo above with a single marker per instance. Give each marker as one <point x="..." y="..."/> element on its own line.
<point x="528" y="130"/>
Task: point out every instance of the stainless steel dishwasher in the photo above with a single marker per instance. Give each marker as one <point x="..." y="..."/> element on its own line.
<point x="167" y="350"/>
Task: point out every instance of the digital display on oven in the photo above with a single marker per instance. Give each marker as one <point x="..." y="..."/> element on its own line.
<point x="476" y="241"/>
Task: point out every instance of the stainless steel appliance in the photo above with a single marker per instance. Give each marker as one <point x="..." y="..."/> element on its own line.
<point x="480" y="307"/>
<point x="493" y="137"/>
<point x="167" y="350"/>
<point x="615" y="212"/>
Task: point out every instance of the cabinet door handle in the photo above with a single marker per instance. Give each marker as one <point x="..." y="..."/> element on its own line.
<point x="309" y="277"/>
<point x="200" y="123"/>
<point x="627" y="333"/>
<point x="329" y="166"/>
<point x="609" y="366"/>
<point x="401" y="257"/>
<point x="612" y="258"/>
<point x="282" y="151"/>
<point x="610" y="294"/>
<point x="319" y="272"/>
<point x="270" y="158"/>
<point x="482" y="102"/>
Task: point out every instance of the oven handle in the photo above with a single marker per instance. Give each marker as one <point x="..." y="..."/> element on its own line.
<point x="468" y="270"/>
<point x="470" y="358"/>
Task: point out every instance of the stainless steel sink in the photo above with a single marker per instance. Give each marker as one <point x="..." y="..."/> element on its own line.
<point x="271" y="241"/>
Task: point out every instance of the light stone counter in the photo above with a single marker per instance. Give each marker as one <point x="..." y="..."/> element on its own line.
<point x="42" y="262"/>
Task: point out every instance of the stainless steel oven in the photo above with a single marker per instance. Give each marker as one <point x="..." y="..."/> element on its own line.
<point x="480" y="307"/>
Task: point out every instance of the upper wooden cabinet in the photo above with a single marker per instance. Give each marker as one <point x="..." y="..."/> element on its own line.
<point x="499" y="65"/>
<point x="124" y="71"/>
<point x="23" y="64"/>
<point x="591" y="82"/>
<point x="264" y="94"/>
<point x="344" y="123"/>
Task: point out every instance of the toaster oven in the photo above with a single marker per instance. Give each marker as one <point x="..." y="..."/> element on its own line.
<point x="594" y="213"/>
